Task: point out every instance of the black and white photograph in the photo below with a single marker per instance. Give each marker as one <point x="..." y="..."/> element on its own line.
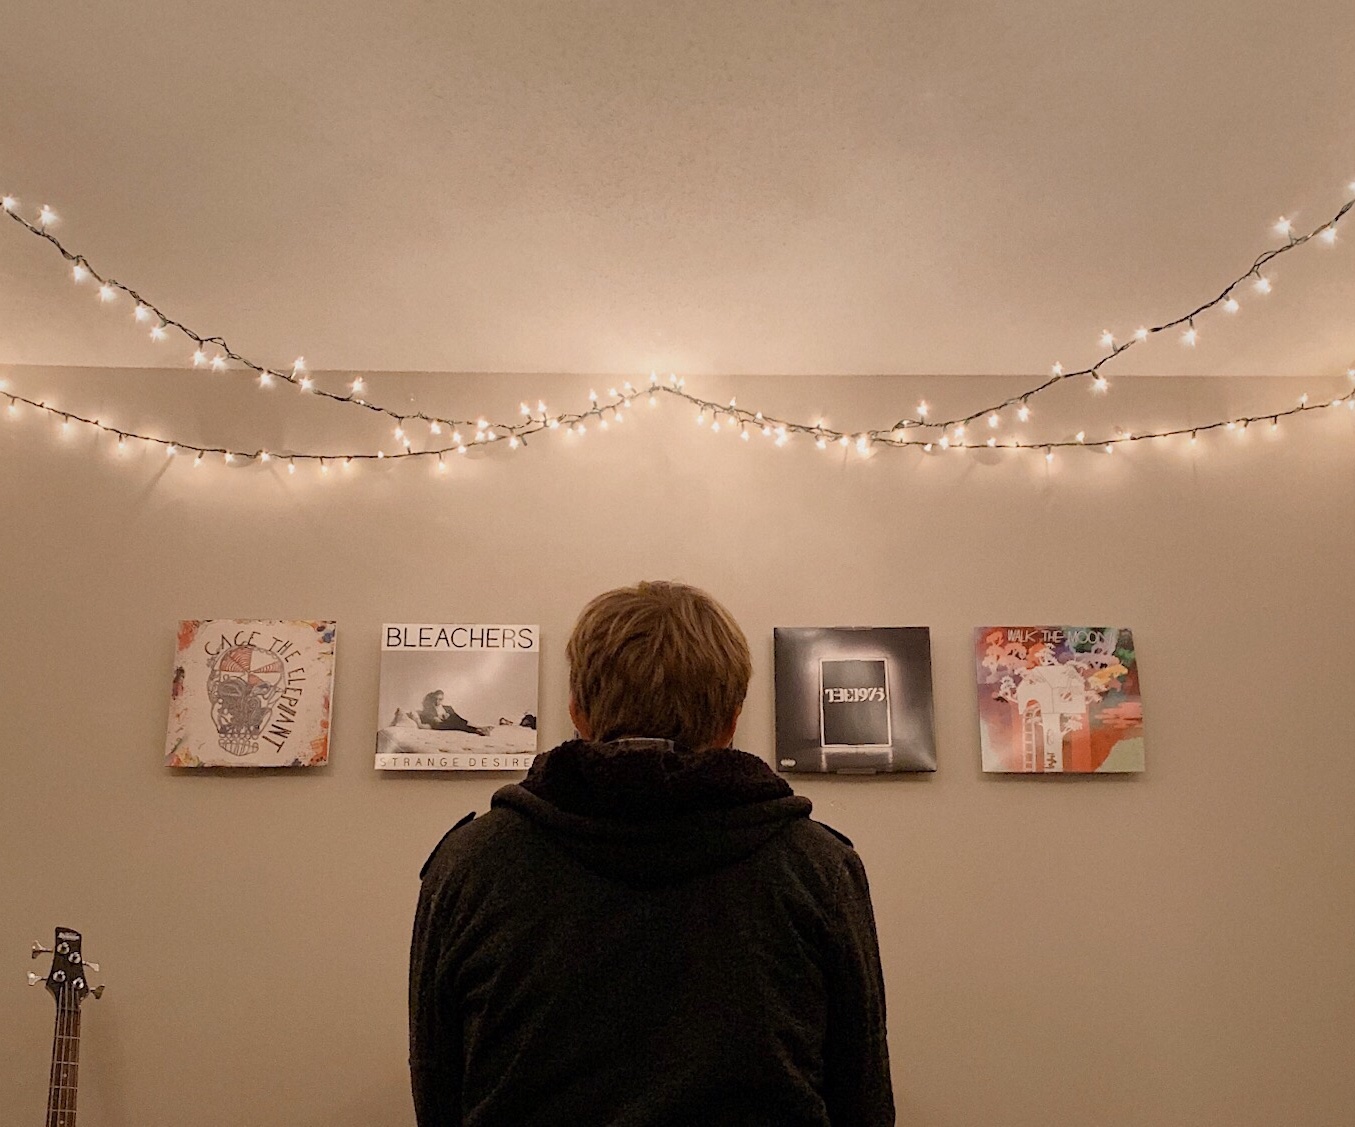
<point x="457" y="697"/>
<point x="854" y="699"/>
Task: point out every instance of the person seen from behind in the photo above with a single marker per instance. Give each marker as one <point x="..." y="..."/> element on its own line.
<point x="649" y="930"/>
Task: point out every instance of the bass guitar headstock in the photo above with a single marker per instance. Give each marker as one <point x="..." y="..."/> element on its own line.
<point x="68" y="979"/>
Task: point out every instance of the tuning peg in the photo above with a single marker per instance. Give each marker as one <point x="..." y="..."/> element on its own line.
<point x="91" y="966"/>
<point x="98" y="991"/>
<point x="39" y="949"/>
<point x="34" y="979"/>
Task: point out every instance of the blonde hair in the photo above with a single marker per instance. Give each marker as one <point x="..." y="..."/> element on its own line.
<point x="658" y="659"/>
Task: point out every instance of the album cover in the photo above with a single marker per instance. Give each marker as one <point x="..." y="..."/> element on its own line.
<point x="854" y="699"/>
<point x="457" y="697"/>
<point x="1058" y="699"/>
<point x="251" y="693"/>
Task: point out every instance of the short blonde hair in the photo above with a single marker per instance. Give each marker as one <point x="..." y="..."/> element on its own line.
<point x="658" y="659"/>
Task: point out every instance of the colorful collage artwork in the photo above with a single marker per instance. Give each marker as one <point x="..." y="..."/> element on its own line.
<point x="251" y="693"/>
<point x="1058" y="699"/>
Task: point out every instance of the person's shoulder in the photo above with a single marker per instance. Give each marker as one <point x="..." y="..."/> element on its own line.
<point x="467" y="839"/>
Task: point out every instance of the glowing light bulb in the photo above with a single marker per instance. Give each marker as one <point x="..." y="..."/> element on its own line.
<point x="47" y="217"/>
<point x="1023" y="412"/>
<point x="593" y="397"/>
<point x="1056" y="370"/>
<point x="1081" y="436"/>
<point x="141" y="313"/>
<point x="442" y="466"/>
<point x="171" y="450"/>
<point x="514" y="442"/>
<point x="1231" y="304"/>
<point x="357" y="385"/>
<point x="1328" y="235"/>
<point x="158" y="331"/>
<point x="993" y="420"/>
<point x="701" y="418"/>
<point x="959" y="430"/>
<point x="944" y="443"/>
<point x="821" y="443"/>
<point x="307" y="383"/>
<point x="862" y="443"/>
<point x="715" y="426"/>
<point x="992" y="442"/>
<point x="9" y="203"/>
<point x="107" y="292"/>
<point x="1189" y="337"/>
<point x="199" y="358"/>
<point x="1100" y="384"/>
<point x="265" y="379"/>
<point x="218" y="363"/>
<point x="1141" y="333"/>
<point x="1109" y="448"/>
<point x="581" y="428"/>
<point x="79" y="272"/>
<point x="1107" y="339"/>
<point x="524" y="409"/>
<point x="1283" y="227"/>
<point x="435" y="427"/>
<point x="922" y="410"/>
<point x="198" y="460"/>
<point x="743" y="434"/>
<point x="1049" y="455"/>
<point x="653" y="402"/>
<point x="291" y="466"/>
<point x="265" y="456"/>
<point x="399" y="432"/>
<point x="1262" y="284"/>
<point x="456" y="437"/>
<point x="298" y="365"/>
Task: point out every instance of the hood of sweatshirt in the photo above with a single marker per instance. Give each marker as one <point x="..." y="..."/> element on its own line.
<point x="649" y="813"/>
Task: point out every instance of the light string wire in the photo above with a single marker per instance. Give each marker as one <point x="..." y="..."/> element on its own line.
<point x="1325" y="231"/>
<point x="736" y="418"/>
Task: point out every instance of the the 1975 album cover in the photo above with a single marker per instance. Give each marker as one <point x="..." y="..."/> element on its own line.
<point x="854" y="699"/>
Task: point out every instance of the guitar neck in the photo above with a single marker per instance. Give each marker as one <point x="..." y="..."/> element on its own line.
<point x="61" y="1091"/>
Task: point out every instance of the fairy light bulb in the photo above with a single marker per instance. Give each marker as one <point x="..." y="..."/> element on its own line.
<point x="399" y="432"/>
<point x="922" y="410"/>
<point x="218" y="363"/>
<point x="298" y="365"/>
<point x="944" y="443"/>
<point x="1056" y="370"/>
<point x="959" y="430"/>
<point x="862" y="443"/>
<point x="12" y="411"/>
<point x="1109" y="448"/>
<point x="158" y="331"/>
<point x="66" y="424"/>
<point x="821" y="443"/>
<point x="1049" y="455"/>
<point x="582" y="430"/>
<point x="442" y="466"/>
<point x="1023" y="412"/>
<point x="715" y="425"/>
<point x="171" y="450"/>
<point x="1262" y="284"/>
<point x="1141" y="333"/>
<point x="47" y="217"/>
<point x="357" y="385"/>
<point x="265" y="456"/>
<point x="1107" y="339"/>
<point x="992" y="442"/>
<point x="265" y="379"/>
<point x="993" y="419"/>
<point x="1284" y="227"/>
<point x="106" y="292"/>
<point x="1231" y="304"/>
<point x="306" y="383"/>
<point x="79" y="272"/>
<point x="9" y="203"/>
<point x="701" y="418"/>
<point x="291" y="466"/>
<point x="1189" y="337"/>
<point x="1100" y="384"/>
<point x="524" y="409"/>
<point x="1081" y="436"/>
<point x="1328" y="235"/>
<point x="197" y="461"/>
<point x="122" y="444"/>
<point x="593" y="397"/>
<point x="199" y="358"/>
<point x="514" y="442"/>
<point x="141" y="313"/>
<point x="434" y="427"/>
<point x="653" y="401"/>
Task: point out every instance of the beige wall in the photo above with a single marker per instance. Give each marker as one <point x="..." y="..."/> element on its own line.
<point x="1134" y="952"/>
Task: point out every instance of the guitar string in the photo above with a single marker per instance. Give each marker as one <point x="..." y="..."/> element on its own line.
<point x="51" y="1079"/>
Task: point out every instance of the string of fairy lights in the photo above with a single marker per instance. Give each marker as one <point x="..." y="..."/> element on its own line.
<point x="449" y="436"/>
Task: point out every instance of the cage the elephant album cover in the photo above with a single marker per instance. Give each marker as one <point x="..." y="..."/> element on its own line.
<point x="854" y="699"/>
<point x="251" y="693"/>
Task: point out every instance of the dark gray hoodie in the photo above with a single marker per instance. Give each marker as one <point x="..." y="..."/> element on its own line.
<point x="639" y="935"/>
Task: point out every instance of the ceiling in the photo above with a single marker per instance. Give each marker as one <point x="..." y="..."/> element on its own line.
<point x="699" y="186"/>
